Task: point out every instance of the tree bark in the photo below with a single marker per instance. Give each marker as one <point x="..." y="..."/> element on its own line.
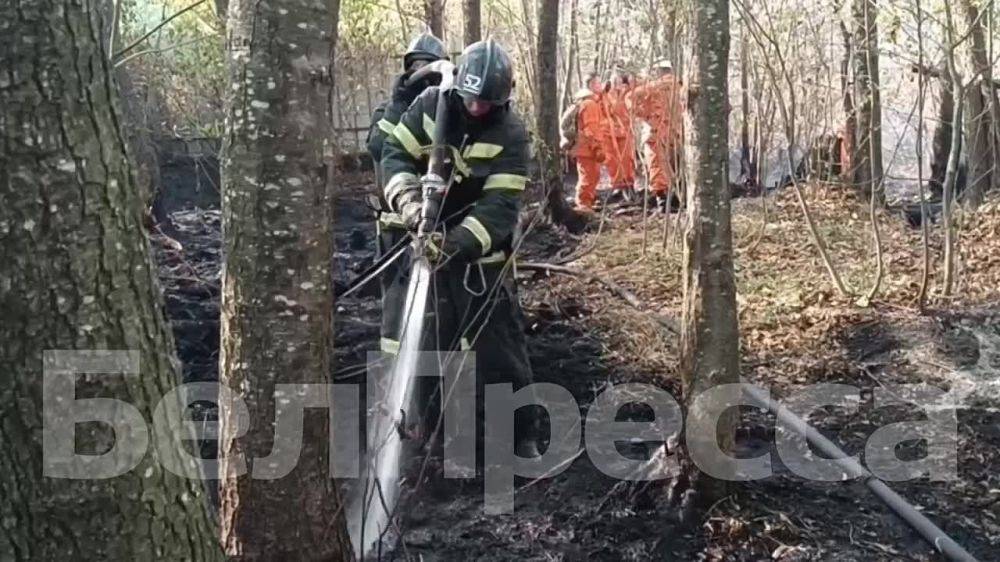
<point x="277" y="295"/>
<point x="850" y="141"/>
<point x="958" y="85"/>
<point x="434" y="16"/>
<point x="867" y="160"/>
<point x="572" y="57"/>
<point x="941" y="141"/>
<point x="978" y="122"/>
<point x="547" y="111"/>
<point x="710" y="333"/>
<point x="77" y="275"/>
<point x="748" y="167"/>
<point x="473" y="21"/>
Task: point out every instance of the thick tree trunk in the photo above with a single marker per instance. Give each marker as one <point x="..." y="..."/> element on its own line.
<point x="710" y="333"/>
<point x="547" y="111"/>
<point x="941" y="142"/>
<point x="977" y="110"/>
<point x="473" y="21"/>
<point x="277" y="298"/>
<point x="867" y="160"/>
<point x="434" y="17"/>
<point x="76" y="275"/>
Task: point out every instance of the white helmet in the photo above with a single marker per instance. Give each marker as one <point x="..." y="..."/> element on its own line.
<point x="663" y="64"/>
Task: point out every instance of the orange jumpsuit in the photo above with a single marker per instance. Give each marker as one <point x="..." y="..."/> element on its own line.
<point x="592" y="134"/>
<point x="658" y="103"/>
<point x="620" y="157"/>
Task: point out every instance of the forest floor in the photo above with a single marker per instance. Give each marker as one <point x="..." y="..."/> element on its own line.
<point x="795" y="330"/>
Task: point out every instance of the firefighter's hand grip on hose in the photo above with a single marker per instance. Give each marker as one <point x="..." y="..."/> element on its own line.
<point x="412" y="213"/>
<point x="434" y="188"/>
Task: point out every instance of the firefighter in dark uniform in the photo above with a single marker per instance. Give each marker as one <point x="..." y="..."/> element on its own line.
<point x="473" y="297"/>
<point x="423" y="50"/>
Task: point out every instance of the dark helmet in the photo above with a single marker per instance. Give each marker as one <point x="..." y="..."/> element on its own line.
<point x="485" y="72"/>
<point x="424" y="47"/>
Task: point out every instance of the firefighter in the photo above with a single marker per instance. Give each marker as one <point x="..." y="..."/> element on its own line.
<point x="620" y="153"/>
<point x="424" y="49"/>
<point x="658" y="103"/>
<point x="474" y="299"/>
<point x="592" y="138"/>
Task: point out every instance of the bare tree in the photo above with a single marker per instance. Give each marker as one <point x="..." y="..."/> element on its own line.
<point x="867" y="158"/>
<point x="979" y="101"/>
<point x="434" y="16"/>
<point x="473" y="20"/>
<point x="710" y="332"/>
<point x="951" y="175"/>
<point x="941" y="140"/>
<point x="924" y="218"/>
<point x="77" y="275"/>
<point x="277" y="295"/>
<point x="850" y="117"/>
<point x="547" y="111"/>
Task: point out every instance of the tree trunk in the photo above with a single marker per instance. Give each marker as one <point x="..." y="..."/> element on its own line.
<point x="547" y="111"/>
<point x="867" y="160"/>
<point x="951" y="176"/>
<point x="850" y="140"/>
<point x="77" y="275"/>
<point x="473" y="21"/>
<point x="710" y="334"/>
<point x="978" y="125"/>
<point x="277" y="297"/>
<point x="941" y="142"/>
<point x="434" y="17"/>
<point x="571" y="57"/>
<point x="748" y="171"/>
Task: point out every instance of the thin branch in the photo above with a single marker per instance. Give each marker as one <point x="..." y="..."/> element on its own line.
<point x="159" y="26"/>
<point x="163" y="50"/>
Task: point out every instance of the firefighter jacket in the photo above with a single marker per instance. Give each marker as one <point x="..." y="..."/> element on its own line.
<point x="593" y="134"/>
<point x="387" y="114"/>
<point x="658" y="103"/>
<point x="489" y="169"/>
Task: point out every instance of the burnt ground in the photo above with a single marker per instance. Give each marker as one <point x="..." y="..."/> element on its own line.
<point x="581" y="513"/>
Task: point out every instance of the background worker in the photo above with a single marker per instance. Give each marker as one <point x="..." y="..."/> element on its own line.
<point x="658" y="103"/>
<point x="591" y="139"/>
<point x="620" y="153"/>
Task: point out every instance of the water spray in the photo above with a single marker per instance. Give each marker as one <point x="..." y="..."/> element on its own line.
<point x="370" y="515"/>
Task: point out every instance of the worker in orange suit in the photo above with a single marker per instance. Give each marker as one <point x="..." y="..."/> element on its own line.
<point x="588" y="142"/>
<point x="620" y="157"/>
<point x="658" y="103"/>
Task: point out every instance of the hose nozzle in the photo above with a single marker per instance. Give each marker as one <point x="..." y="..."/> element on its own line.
<point x="434" y="189"/>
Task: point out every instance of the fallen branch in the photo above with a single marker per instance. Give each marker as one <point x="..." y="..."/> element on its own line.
<point x="618" y="290"/>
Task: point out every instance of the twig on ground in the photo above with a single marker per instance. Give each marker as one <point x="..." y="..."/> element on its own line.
<point x="618" y="290"/>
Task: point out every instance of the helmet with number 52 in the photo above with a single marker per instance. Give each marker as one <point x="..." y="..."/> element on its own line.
<point x="485" y="77"/>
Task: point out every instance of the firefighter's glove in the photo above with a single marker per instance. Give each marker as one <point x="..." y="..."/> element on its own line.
<point x="411" y="213"/>
<point x="453" y="248"/>
<point x="404" y="91"/>
<point x="434" y="248"/>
